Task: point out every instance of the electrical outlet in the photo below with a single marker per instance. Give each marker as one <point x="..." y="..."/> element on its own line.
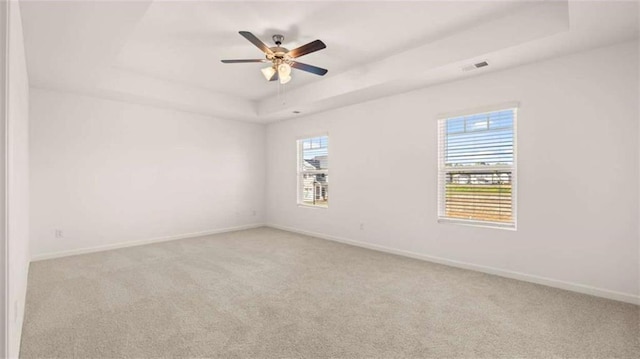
<point x="59" y="233"/>
<point x="254" y="213"/>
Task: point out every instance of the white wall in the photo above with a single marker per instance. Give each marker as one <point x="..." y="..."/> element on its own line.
<point x="17" y="180"/>
<point x="107" y="172"/>
<point x="3" y="119"/>
<point x="577" y="173"/>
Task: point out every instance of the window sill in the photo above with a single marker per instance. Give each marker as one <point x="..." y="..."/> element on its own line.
<point x="481" y="224"/>
<point x="301" y="205"/>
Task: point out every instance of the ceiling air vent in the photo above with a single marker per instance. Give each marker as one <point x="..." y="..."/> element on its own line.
<point x="475" y="66"/>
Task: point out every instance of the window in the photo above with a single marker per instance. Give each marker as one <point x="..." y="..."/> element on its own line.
<point x="477" y="178"/>
<point x="313" y="171"/>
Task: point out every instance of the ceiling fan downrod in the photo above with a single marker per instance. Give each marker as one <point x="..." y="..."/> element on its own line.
<point x="278" y="39"/>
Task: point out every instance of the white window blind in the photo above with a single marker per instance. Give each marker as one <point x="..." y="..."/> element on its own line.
<point x="477" y="177"/>
<point x="313" y="171"/>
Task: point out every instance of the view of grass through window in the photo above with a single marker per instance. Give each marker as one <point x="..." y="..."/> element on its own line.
<point x="313" y="171"/>
<point x="476" y="167"/>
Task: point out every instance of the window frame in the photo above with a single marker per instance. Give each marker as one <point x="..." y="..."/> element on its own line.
<point x="441" y="171"/>
<point x="300" y="171"/>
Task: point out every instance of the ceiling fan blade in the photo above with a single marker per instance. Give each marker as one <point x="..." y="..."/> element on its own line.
<point x="242" y="61"/>
<point x="254" y="40"/>
<point x="309" y="68"/>
<point x="307" y="49"/>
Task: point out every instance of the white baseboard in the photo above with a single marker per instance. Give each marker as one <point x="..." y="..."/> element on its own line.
<point x="574" y="287"/>
<point x="107" y="247"/>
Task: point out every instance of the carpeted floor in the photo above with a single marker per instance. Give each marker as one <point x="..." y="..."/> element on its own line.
<point x="265" y="293"/>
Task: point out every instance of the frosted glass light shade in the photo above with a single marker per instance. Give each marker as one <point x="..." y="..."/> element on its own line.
<point x="284" y="70"/>
<point x="268" y="72"/>
<point x="284" y="79"/>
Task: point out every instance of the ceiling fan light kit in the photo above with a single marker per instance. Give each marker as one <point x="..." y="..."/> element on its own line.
<point x="282" y="60"/>
<point x="268" y="72"/>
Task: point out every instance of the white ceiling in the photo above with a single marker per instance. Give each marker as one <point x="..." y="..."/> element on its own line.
<point x="184" y="41"/>
<point x="168" y="53"/>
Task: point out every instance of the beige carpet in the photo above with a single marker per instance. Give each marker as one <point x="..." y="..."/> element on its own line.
<point x="266" y="293"/>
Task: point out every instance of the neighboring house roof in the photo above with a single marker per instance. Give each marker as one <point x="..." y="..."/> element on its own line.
<point x="314" y="162"/>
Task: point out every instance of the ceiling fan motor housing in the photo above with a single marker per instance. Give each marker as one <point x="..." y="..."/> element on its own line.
<point x="279" y="52"/>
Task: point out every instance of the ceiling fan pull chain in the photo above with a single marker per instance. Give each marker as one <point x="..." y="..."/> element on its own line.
<point x="284" y="95"/>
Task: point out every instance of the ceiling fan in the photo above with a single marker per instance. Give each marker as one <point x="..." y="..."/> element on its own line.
<point x="282" y="59"/>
